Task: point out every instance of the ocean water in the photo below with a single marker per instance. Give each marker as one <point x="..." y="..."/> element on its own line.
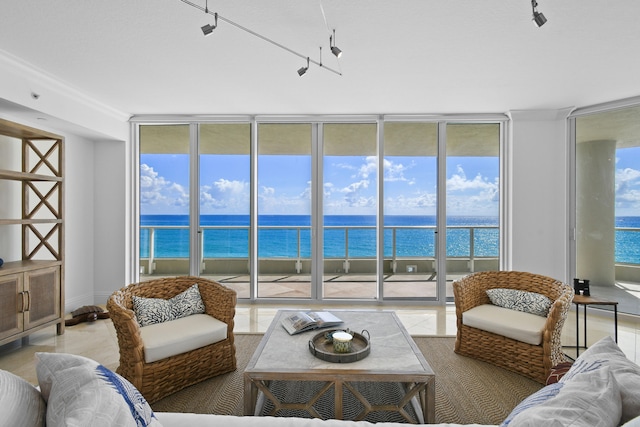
<point x="289" y="236"/>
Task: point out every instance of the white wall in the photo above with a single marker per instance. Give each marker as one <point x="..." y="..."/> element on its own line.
<point x="111" y="255"/>
<point x="538" y="199"/>
<point x="79" y="222"/>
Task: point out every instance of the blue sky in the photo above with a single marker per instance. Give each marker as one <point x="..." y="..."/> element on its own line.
<point x="349" y="185"/>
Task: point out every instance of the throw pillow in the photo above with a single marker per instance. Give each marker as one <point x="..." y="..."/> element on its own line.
<point x="150" y="311"/>
<point x="606" y="353"/>
<point x="187" y="303"/>
<point x="514" y="299"/>
<point x="81" y="392"/>
<point x="591" y="400"/>
<point x="21" y="404"/>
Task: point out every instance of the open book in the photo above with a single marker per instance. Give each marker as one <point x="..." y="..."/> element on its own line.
<point x="307" y="320"/>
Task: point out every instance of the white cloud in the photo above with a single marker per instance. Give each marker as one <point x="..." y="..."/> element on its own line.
<point x="627" y="191"/>
<point x="459" y="182"/>
<point x="395" y="171"/>
<point x="370" y="167"/>
<point x="224" y="185"/>
<point x="157" y="193"/>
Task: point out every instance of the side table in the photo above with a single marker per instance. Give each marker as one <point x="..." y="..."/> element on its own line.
<point x="583" y="300"/>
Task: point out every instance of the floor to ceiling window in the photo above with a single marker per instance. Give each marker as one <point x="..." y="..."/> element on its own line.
<point x="473" y="198"/>
<point x="607" y="204"/>
<point x="320" y="210"/>
<point x="164" y="195"/>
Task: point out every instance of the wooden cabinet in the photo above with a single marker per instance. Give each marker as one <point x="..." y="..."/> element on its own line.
<point x="31" y="230"/>
<point x="30" y="298"/>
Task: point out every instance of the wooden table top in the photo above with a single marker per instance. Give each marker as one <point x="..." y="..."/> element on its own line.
<point x="589" y="300"/>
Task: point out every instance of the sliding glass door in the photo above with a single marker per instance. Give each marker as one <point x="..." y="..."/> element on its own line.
<point x="225" y="210"/>
<point x="284" y="210"/>
<point x="349" y="205"/>
<point x="410" y="208"/>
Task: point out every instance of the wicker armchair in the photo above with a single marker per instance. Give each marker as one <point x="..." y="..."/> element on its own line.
<point x="533" y="361"/>
<point x="161" y="378"/>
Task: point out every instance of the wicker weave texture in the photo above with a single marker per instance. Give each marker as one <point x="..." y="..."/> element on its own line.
<point x="163" y="377"/>
<point x="532" y="361"/>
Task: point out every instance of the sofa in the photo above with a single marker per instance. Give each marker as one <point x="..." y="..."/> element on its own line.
<point x="601" y="388"/>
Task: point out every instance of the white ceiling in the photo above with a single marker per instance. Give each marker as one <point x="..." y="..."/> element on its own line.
<point x="400" y="56"/>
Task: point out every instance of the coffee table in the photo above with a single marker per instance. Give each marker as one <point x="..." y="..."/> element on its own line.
<point x="394" y="358"/>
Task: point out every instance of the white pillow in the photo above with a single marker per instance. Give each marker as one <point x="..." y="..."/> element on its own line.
<point x="514" y="299"/>
<point x="591" y="399"/>
<point x="81" y="392"/>
<point x="21" y="404"/>
<point x="606" y="353"/>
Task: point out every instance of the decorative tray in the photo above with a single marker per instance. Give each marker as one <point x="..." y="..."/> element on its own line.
<point x="321" y="346"/>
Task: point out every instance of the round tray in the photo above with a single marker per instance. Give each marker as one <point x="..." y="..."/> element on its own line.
<point x="322" y="348"/>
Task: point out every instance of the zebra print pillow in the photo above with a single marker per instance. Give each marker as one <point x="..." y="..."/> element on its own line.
<point x="150" y="311"/>
<point x="528" y="302"/>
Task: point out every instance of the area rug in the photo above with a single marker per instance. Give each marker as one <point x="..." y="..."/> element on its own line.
<point x="467" y="390"/>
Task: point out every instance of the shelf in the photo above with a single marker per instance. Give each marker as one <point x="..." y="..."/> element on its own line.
<point x="25" y="176"/>
<point x="21" y="131"/>
<point x="29" y="221"/>
<point x="34" y="285"/>
<point x="26" y="265"/>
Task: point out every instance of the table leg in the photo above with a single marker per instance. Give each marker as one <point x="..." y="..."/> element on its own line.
<point x="585" y="326"/>
<point x="338" y="392"/>
<point x="429" y="411"/>
<point x="615" y="319"/>
<point x="577" y="330"/>
<point x="250" y="396"/>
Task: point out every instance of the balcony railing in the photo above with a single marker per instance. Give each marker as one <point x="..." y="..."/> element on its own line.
<point x="344" y="243"/>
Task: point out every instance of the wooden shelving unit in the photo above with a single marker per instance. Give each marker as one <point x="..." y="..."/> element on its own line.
<point x="32" y="288"/>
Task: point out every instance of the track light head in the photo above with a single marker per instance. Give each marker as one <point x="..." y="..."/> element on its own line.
<point x="538" y="18"/>
<point x="208" y="29"/>
<point x="334" y="49"/>
<point x="303" y="70"/>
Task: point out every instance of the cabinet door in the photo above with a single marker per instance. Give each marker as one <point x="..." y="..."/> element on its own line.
<point x="43" y="296"/>
<point x="12" y="302"/>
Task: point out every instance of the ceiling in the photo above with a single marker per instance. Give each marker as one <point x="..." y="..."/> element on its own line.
<point x="400" y="57"/>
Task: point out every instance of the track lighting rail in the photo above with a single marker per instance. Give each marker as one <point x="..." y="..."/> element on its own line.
<point x="219" y="17"/>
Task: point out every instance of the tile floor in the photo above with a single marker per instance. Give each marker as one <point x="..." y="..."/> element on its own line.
<point x="98" y="341"/>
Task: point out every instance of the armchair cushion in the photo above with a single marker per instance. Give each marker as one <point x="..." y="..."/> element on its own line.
<point x="167" y="339"/>
<point x="528" y="302"/>
<point x="150" y="311"/>
<point x="524" y="327"/>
